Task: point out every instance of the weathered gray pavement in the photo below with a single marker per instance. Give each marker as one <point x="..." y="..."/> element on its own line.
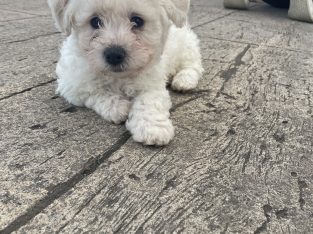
<point x="241" y="161"/>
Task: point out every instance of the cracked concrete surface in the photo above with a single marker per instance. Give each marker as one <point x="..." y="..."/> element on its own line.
<point x="241" y="161"/>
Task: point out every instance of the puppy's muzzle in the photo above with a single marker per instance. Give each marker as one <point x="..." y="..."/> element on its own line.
<point x="115" y="55"/>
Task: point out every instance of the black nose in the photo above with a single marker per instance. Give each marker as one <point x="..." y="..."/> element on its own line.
<point x="115" y="55"/>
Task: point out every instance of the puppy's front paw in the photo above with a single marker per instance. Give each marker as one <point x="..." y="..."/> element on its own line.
<point x="151" y="133"/>
<point x="113" y="110"/>
<point x="185" y="80"/>
<point x="119" y="111"/>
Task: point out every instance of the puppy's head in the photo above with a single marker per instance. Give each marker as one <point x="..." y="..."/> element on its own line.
<point x="119" y="37"/>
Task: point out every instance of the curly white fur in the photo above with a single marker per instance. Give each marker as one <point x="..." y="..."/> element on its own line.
<point x="139" y="96"/>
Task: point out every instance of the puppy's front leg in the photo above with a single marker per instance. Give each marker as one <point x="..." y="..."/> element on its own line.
<point x="149" y="121"/>
<point x="110" y="106"/>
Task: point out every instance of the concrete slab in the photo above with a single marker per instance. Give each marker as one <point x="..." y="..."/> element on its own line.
<point x="18" y="73"/>
<point x="241" y="161"/>
<point x="7" y="15"/>
<point x="34" y="7"/>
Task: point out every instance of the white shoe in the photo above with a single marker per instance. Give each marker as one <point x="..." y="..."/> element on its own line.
<point x="301" y="10"/>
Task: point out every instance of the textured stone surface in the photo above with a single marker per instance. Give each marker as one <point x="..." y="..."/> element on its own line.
<point x="241" y="161"/>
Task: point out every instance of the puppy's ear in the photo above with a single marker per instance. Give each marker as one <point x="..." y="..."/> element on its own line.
<point x="60" y="14"/>
<point x="177" y="10"/>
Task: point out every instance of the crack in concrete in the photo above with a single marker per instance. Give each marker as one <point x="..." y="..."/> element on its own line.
<point x="213" y="20"/>
<point x="199" y="95"/>
<point x="233" y="69"/>
<point x="62" y="188"/>
<point x="20" y="19"/>
<point x="32" y="38"/>
<point x="267" y="209"/>
<point x="23" y="12"/>
<point x="309" y="52"/>
<point x="27" y="90"/>
<point x="89" y="168"/>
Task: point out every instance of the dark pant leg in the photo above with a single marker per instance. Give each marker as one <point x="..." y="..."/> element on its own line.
<point x="279" y="3"/>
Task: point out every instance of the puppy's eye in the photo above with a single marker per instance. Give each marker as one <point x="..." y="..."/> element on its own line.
<point x="96" y="22"/>
<point x="137" y="21"/>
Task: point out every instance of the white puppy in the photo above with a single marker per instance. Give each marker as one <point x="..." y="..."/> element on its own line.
<point x="119" y="56"/>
